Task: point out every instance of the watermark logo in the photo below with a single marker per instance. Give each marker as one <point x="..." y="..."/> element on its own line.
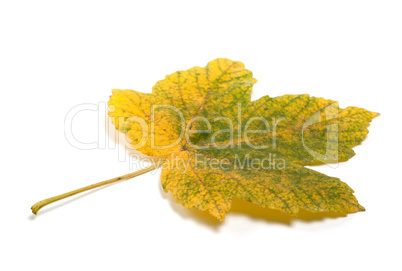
<point x="330" y="112"/>
<point x="256" y="133"/>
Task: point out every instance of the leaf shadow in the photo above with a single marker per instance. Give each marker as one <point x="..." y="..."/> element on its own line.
<point x="186" y="213"/>
<point x="256" y="212"/>
<point x="250" y="210"/>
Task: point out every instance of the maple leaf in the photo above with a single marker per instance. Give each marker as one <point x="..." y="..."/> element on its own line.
<point x="206" y="129"/>
<point x="215" y="144"/>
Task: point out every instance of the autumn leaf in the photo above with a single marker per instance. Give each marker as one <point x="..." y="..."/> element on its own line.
<point x="202" y="123"/>
<point x="215" y="144"/>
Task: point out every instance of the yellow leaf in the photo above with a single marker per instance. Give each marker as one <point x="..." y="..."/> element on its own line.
<point x="218" y="144"/>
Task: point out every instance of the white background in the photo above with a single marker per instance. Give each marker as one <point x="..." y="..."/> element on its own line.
<point x="56" y="55"/>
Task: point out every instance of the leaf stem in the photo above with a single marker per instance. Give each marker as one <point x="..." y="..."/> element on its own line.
<point x="37" y="206"/>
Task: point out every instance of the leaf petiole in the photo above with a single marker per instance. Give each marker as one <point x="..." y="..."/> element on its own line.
<point x="37" y="206"/>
